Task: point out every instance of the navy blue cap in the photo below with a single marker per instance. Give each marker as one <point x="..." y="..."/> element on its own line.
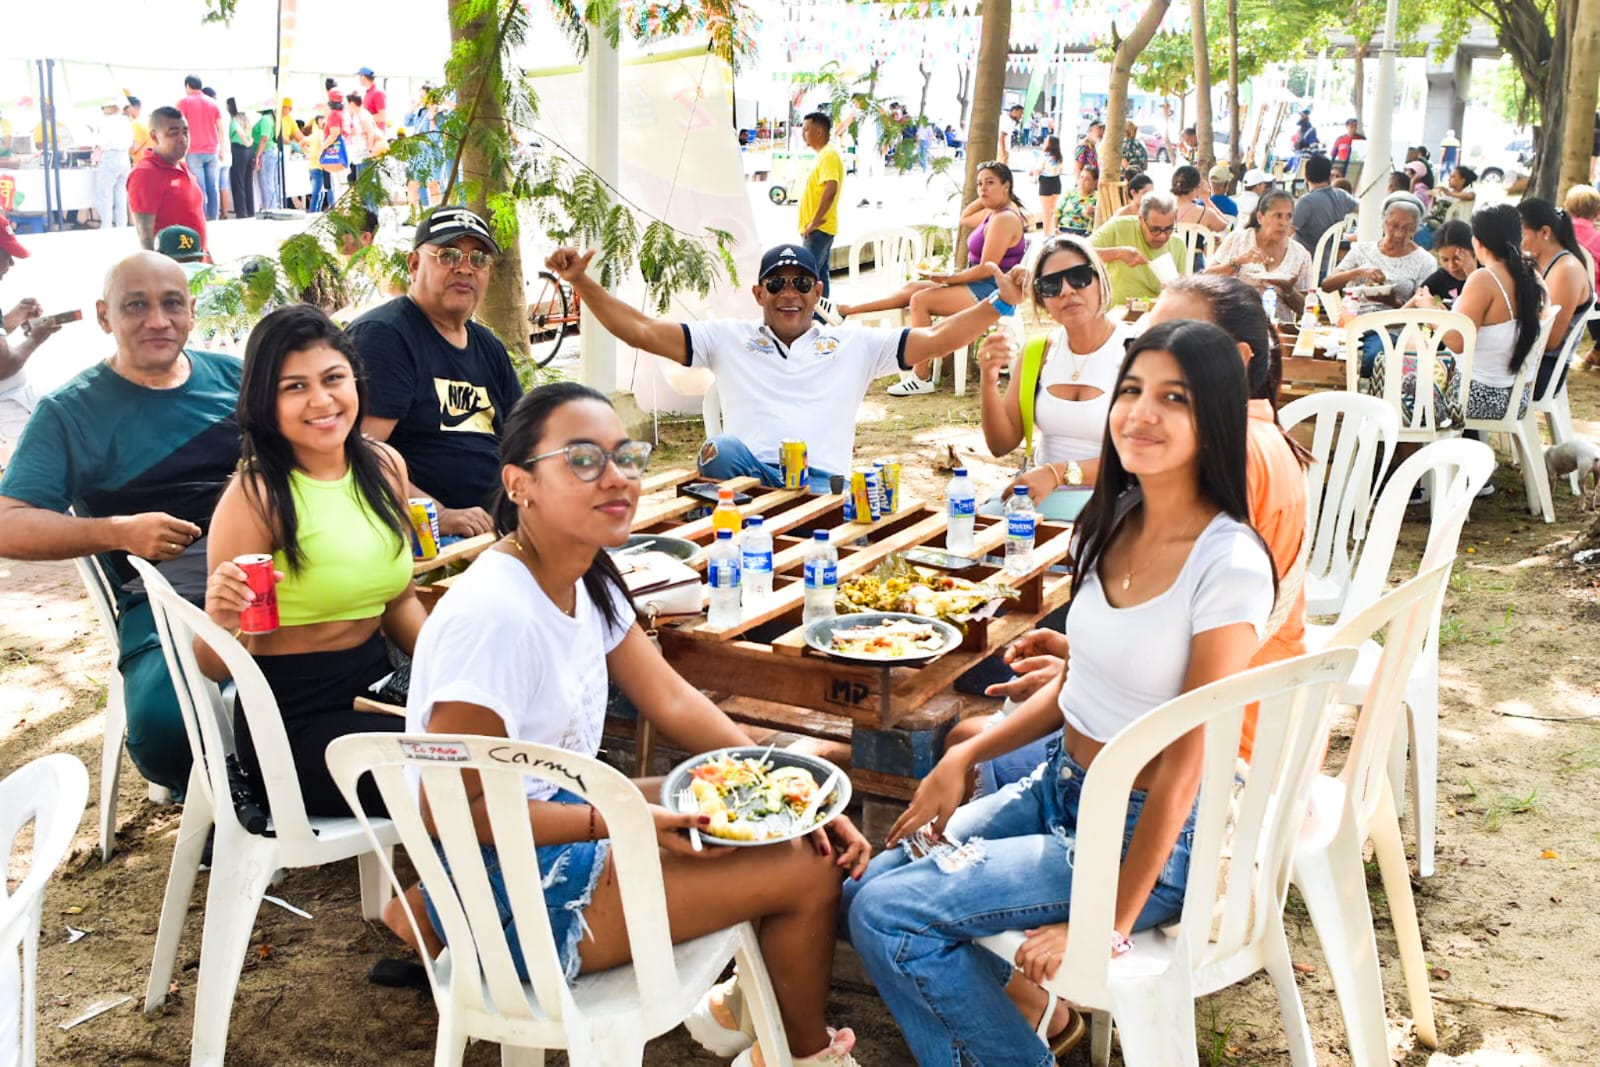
<point x="787" y="256"/>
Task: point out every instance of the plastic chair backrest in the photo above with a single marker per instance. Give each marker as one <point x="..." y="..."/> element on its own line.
<point x="1296" y="699"/>
<point x="1557" y="382"/>
<point x="895" y="250"/>
<point x="208" y="721"/>
<point x="1404" y="616"/>
<point x="1420" y="336"/>
<point x="1326" y="254"/>
<point x="1507" y="423"/>
<point x="103" y="595"/>
<point x="51" y="793"/>
<point x="1352" y="439"/>
<point x="1196" y="239"/>
<point x="483" y="974"/>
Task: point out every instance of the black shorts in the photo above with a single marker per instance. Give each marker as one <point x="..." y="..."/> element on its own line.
<point x="1049" y="186"/>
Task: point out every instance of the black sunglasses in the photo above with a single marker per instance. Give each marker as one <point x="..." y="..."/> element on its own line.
<point x="800" y="283"/>
<point x="1046" y="286"/>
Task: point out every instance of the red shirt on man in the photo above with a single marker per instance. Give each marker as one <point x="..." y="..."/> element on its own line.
<point x="169" y="192"/>
<point x="375" y="101"/>
<point x="202" y="114"/>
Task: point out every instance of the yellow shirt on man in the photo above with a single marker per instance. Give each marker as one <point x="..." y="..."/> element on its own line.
<point x="829" y="168"/>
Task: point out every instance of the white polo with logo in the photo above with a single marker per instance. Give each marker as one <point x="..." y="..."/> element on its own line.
<point x="809" y="390"/>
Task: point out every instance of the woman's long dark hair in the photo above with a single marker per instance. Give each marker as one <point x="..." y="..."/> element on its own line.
<point x="1003" y="172"/>
<point x="1537" y="213"/>
<point x="1185" y="180"/>
<point x="1214" y="375"/>
<point x="267" y="458"/>
<point x="524" y="429"/>
<point x="1498" y="228"/>
<point x="1052" y="147"/>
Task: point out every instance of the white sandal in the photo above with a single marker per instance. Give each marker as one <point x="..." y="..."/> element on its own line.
<point x="704" y="1027"/>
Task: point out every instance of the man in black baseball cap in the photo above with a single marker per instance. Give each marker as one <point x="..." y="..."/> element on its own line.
<point x="441" y="385"/>
<point x="787" y="376"/>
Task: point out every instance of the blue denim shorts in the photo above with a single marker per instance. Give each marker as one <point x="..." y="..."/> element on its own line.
<point x="570" y="871"/>
<point x="981" y="289"/>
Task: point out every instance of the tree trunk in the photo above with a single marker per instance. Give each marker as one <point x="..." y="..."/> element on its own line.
<point x="504" y="309"/>
<point x="925" y="68"/>
<point x="988" y="90"/>
<point x="1583" y="86"/>
<point x="1126" y="54"/>
<point x="1360" y="89"/>
<point x="1235" y="125"/>
<point x="963" y="93"/>
<point x="1202" y="88"/>
<point x="1547" y="151"/>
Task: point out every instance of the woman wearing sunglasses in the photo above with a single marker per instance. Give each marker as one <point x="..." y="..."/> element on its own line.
<point x="1265" y="254"/>
<point x="329" y="506"/>
<point x="997" y="223"/>
<point x="1066" y="403"/>
<point x="523" y="647"/>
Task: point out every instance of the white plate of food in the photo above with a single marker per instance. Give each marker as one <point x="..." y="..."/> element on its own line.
<point x="882" y="638"/>
<point x="1273" y="277"/>
<point x="1371" y="290"/>
<point x="757" y="796"/>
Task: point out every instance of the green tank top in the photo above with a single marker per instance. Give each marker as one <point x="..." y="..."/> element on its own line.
<point x="351" y="563"/>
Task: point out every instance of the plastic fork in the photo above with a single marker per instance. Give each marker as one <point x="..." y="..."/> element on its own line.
<point x="686" y="803"/>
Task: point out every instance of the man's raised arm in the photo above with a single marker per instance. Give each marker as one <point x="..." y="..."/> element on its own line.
<point x="626" y="323"/>
<point x="957" y="331"/>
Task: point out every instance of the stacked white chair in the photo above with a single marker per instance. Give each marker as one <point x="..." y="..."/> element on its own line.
<point x="1457" y="470"/>
<point x="1232" y="923"/>
<point x="242" y="863"/>
<point x="50" y="793"/>
<point x="1358" y="806"/>
<point x="602" y="1019"/>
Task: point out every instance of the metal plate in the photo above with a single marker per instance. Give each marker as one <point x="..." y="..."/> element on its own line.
<point x="677" y="547"/>
<point x="819" y="635"/>
<point x="820" y="769"/>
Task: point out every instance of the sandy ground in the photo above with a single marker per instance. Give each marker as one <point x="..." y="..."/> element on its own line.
<point x="1508" y="920"/>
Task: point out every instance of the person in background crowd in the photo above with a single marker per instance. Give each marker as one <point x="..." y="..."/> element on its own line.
<point x="364" y="139"/>
<point x="1009" y="122"/>
<point x="1305" y="134"/>
<point x="1087" y="155"/>
<point x="1458" y="197"/>
<point x="224" y="162"/>
<point x="264" y="137"/>
<point x="1135" y="158"/>
<point x="203" y="117"/>
<point x="1128" y="245"/>
<point x="17" y="398"/>
<point x="1583" y="204"/>
<point x="1399" y="182"/>
<point x="996" y="222"/>
<point x="374" y="99"/>
<point x="329" y="506"/>
<point x="161" y="190"/>
<point x="1253" y="186"/>
<point x="1264" y="252"/>
<point x="337" y="132"/>
<point x="442" y="384"/>
<point x="1452" y="246"/>
<point x="139" y="447"/>
<point x="242" y="167"/>
<point x="1193" y="210"/>
<point x="1138" y="187"/>
<point x="1050" y="167"/>
<point x="182" y="245"/>
<point x="314" y="142"/>
<point x="113" y="142"/>
<point x="141" y="130"/>
<point x="819" y="201"/>
<point x="1078" y="207"/>
<point x="1344" y="147"/>
<point x="1221" y="178"/>
<point x="1322" y="206"/>
<point x="1419" y="154"/>
<point x="1188" y="148"/>
<point x="1550" y="238"/>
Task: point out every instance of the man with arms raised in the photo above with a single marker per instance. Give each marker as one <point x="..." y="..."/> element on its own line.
<point x="441" y="384"/>
<point x="139" y="446"/>
<point x="785" y="376"/>
<point x="17" y="398"/>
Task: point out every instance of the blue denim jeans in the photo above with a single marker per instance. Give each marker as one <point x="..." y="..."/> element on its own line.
<point x="271" y="190"/>
<point x="820" y="245"/>
<point x="207" y="171"/>
<point x="731" y="458"/>
<point x="914" y="925"/>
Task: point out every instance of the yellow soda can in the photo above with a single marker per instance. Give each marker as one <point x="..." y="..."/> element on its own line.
<point x="794" y="463"/>
<point x="424" y="528"/>
<point x="890" y="473"/>
<point x="865" y="505"/>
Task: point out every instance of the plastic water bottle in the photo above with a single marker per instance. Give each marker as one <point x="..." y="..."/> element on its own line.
<point x="1020" y="524"/>
<point x="722" y="572"/>
<point x="756" y="565"/>
<point x="963" y="511"/>
<point x="822" y="578"/>
<point x="1269" y="302"/>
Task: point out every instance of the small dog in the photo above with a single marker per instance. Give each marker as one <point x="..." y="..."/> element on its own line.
<point x="1576" y="455"/>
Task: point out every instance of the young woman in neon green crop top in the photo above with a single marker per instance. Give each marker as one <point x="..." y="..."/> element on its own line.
<point x="329" y="506"/>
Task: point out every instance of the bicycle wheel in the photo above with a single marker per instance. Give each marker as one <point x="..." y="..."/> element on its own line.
<point x="549" y="318"/>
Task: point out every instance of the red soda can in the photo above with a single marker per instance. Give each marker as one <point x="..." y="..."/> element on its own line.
<point x="260" y="617"/>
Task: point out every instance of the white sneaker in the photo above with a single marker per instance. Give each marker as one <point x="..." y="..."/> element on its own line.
<point x="828" y="312"/>
<point x="704" y="1027"/>
<point x="911" y="385"/>
<point x="837" y="1054"/>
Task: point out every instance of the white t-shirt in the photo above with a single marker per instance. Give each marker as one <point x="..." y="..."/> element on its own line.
<point x="1227" y="579"/>
<point x="809" y="390"/>
<point x="1074" y="430"/>
<point x="496" y="640"/>
<point x="1296" y="262"/>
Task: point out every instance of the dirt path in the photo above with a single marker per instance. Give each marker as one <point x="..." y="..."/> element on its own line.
<point x="1508" y="921"/>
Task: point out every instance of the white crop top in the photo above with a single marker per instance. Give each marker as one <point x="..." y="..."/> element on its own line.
<point x="1074" y="430"/>
<point x="1124" y="662"/>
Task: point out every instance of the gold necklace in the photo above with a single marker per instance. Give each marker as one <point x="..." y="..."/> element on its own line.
<point x="1127" y="578"/>
<point x="1072" y="357"/>
<point x="524" y="557"/>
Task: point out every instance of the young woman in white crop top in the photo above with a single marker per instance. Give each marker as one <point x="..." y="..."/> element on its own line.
<point x="1076" y="378"/>
<point x="1171" y="569"/>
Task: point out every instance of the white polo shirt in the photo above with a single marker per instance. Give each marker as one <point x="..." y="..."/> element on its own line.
<point x="809" y="390"/>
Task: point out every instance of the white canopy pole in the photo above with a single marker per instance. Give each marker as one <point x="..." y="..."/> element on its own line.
<point x="603" y="83"/>
<point x="1380" y="151"/>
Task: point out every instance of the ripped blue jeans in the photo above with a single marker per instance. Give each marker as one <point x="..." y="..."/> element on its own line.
<point x="913" y="925"/>
<point x="570" y="873"/>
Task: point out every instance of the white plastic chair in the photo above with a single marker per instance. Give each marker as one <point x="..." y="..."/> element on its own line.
<point x="50" y="793"/>
<point x="1419" y="335"/>
<point x="1341" y="484"/>
<point x="1326" y="254"/>
<point x="895" y="251"/>
<point x="1150" y="991"/>
<point x="1456" y="469"/>
<point x="242" y="863"/>
<point x="102" y="594"/>
<point x="1196" y="239"/>
<point x="601" y="1019"/>
<point x="1524" y="431"/>
<point x="1358" y="805"/>
<point x="1552" y="404"/>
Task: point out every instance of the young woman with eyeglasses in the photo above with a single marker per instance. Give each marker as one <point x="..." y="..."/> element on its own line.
<point x="1072" y="392"/>
<point x="329" y="506"/>
<point x="523" y="647"/>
